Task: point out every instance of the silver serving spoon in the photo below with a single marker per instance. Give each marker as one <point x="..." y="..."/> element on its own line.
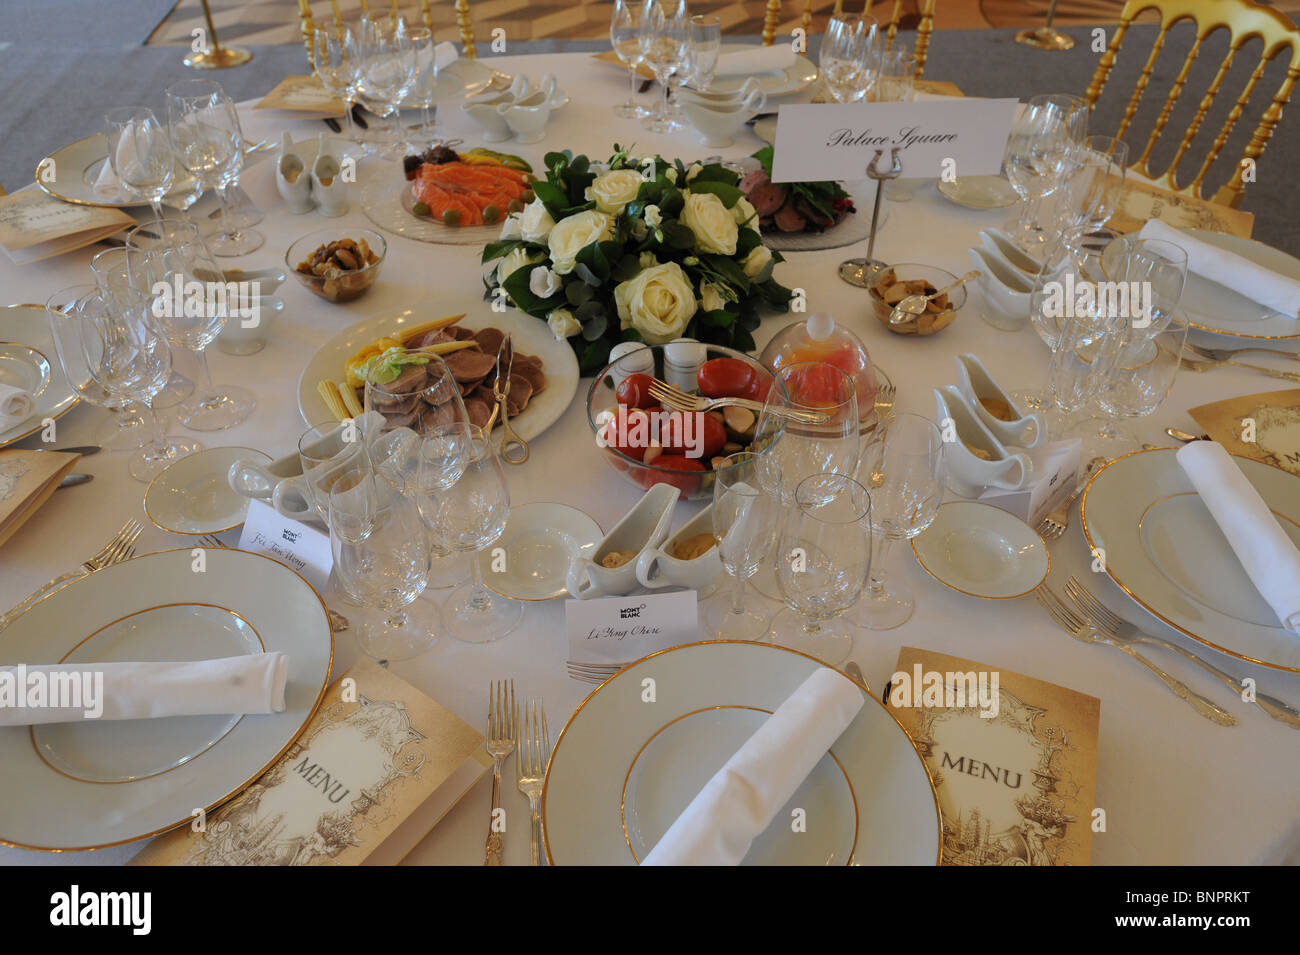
<point x="914" y="305"/>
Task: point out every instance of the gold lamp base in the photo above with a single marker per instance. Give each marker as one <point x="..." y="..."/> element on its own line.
<point x="218" y="58"/>
<point x="1045" y="38"/>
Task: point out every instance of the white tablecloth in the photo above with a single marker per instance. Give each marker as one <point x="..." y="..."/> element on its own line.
<point x="1176" y="789"/>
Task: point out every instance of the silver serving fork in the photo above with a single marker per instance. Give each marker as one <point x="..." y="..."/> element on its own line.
<point x="502" y="713"/>
<point x="679" y="400"/>
<point x="530" y="764"/>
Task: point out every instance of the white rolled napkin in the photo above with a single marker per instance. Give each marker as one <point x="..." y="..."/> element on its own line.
<point x="16" y="406"/>
<point x="743" y="797"/>
<point x="445" y="54"/>
<point x="756" y="59"/>
<point x="1232" y="271"/>
<point x="107" y="184"/>
<point x="1266" y="553"/>
<point x="74" y="692"/>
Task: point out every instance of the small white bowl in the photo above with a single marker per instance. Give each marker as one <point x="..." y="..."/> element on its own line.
<point x="540" y="540"/>
<point x="194" y="496"/>
<point x="982" y="551"/>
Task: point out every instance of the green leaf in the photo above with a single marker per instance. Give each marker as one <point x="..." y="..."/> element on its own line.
<point x="719" y="317"/>
<point x="516" y="286"/>
<point x="746" y="242"/>
<point x="729" y="194"/>
<point x="594" y="357"/>
<point x="628" y="267"/>
<point x="578" y="292"/>
<point x="765" y="156"/>
<point x="595" y="328"/>
<point x="678" y="236"/>
<point x="553" y="197"/>
<point x="713" y="172"/>
<point x="584" y="272"/>
<point x="730" y="270"/>
<point x="497" y="250"/>
<point x="590" y="311"/>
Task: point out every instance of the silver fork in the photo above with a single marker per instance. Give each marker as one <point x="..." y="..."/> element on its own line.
<point x="337" y="620"/>
<point x="1123" y="631"/>
<point x="1204" y="363"/>
<point x="1082" y="629"/>
<point x="1223" y="354"/>
<point x="680" y="400"/>
<point x="120" y="547"/>
<point x="502" y="713"/>
<point x="1054" y="524"/>
<point x="534" y="751"/>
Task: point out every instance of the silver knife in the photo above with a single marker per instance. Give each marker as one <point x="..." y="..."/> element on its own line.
<point x="72" y="480"/>
<point x="82" y="449"/>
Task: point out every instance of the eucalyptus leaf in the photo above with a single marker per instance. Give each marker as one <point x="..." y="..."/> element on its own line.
<point x="595" y="328"/>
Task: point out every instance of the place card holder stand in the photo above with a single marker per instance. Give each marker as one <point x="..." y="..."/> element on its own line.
<point x="862" y="275"/>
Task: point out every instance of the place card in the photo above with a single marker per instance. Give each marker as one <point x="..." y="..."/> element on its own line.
<point x="296" y="545"/>
<point x="939" y="138"/>
<point x="623" y="629"/>
<point x="1053" y="480"/>
<point x="302" y="94"/>
<point x="34" y="225"/>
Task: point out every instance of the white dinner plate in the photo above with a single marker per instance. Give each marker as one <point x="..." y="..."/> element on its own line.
<point x="24" y="368"/>
<point x="623" y="769"/>
<point x="194" y="496"/>
<point x="461" y="78"/>
<point x="530" y="336"/>
<point x="799" y="77"/>
<point x="537" y="545"/>
<point x="1210" y="307"/>
<point x="979" y="192"/>
<point x="1163" y="548"/>
<point x="28" y="325"/>
<point x="76" y="167"/>
<point x="982" y="551"/>
<point x="91" y="785"/>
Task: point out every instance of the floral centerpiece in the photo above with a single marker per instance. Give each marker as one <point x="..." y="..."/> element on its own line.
<point x="636" y="250"/>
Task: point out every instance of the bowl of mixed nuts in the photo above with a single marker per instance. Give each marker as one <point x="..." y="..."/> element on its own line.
<point x="891" y="285"/>
<point x="338" y="269"/>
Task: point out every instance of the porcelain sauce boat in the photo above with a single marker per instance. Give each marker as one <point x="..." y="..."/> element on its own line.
<point x="657" y="567"/>
<point x="641" y="531"/>
<point x="969" y="473"/>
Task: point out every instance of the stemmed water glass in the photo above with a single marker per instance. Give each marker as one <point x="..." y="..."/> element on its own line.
<point x="468" y="517"/>
<point x="381" y="559"/>
<point x="1038" y="153"/>
<point x="209" y="143"/>
<point x="904" y="470"/>
<point x="336" y="60"/>
<point x="140" y="153"/>
<point x="1090" y="193"/>
<point x="703" y="45"/>
<point x="847" y="51"/>
<point x="423" y="92"/>
<point x="177" y="258"/>
<point x="823" y="559"/>
<point x="664" y="45"/>
<point x="626" y="35"/>
<point x="895" y="75"/>
<point x="387" y="72"/>
<point x="746" y="516"/>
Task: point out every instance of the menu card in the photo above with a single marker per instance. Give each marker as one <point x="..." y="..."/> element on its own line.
<point x="1014" y="759"/>
<point x="27" y="479"/>
<point x="1264" y="426"/>
<point x="34" y="225"/>
<point x="1141" y="201"/>
<point x="374" y="772"/>
<point x="302" y="94"/>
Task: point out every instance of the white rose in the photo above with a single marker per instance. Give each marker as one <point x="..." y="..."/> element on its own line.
<point x="715" y="230"/>
<point x="542" y="282"/>
<point x="658" y="303"/>
<point x="511" y="229"/>
<point x="710" y="298"/>
<point x="653" y="217"/>
<point x="535" y="223"/>
<point x="745" y="214"/>
<point x="756" y="261"/>
<point x="516" y="260"/>
<point x="614" y="190"/>
<point x="563" y="324"/>
<point x="671" y="174"/>
<point x="570" y="236"/>
<point x="693" y="170"/>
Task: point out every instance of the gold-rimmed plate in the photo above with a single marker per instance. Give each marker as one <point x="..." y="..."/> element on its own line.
<point x="26" y="325"/>
<point x="91" y="785"/>
<point x="69" y="174"/>
<point x="530" y="559"/>
<point x="623" y="769"/>
<point x="798" y="77"/>
<point x="194" y="496"/>
<point x="982" y="551"/>
<point x="1165" y="551"/>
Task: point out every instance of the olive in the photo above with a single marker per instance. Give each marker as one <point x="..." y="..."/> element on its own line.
<point x="529" y="195"/>
<point x="451" y="217"/>
<point x="491" y="214"/>
<point x="515" y="206"/>
<point x="420" y="209"/>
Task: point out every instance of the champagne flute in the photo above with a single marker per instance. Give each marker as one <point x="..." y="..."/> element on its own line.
<point x="381" y="560"/>
<point x="904" y="469"/>
<point x="703" y="45"/>
<point x="823" y="559"/>
<point x="423" y="91"/>
<point x="140" y="153"/>
<point x="664" y="47"/>
<point x="469" y="516"/>
<point x="746" y="516"/>
<point x="626" y="30"/>
<point x="177" y="259"/>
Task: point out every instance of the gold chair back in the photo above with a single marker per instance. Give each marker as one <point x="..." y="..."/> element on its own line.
<point x="1243" y="20"/>
<point x="463" y="22"/>
<point x="923" y="28"/>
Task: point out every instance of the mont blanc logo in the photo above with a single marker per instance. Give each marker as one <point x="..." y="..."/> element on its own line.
<point x="290" y="536"/>
<point x="629" y="613"/>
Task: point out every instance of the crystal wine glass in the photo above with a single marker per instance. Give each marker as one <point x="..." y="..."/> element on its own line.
<point x="665" y="48"/>
<point x="626" y="32"/>
<point x="904" y="469"/>
<point x="847" y="50"/>
<point x="703" y="45"/>
<point x="388" y="69"/>
<point x="423" y="91"/>
<point x="800" y="450"/>
<point x="336" y="60"/>
<point x="746" y="516"/>
<point x="823" y="559"/>
<point x="140" y="153"/>
<point x="1038" y="151"/>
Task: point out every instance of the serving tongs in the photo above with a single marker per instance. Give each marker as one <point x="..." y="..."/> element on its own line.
<point x="514" y="449"/>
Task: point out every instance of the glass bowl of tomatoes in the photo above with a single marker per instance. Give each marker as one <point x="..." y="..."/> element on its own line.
<point x="650" y="444"/>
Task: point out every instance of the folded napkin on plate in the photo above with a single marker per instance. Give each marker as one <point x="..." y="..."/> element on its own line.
<point x="138" y="691"/>
<point x="756" y="59"/>
<point x="739" y="802"/>
<point x="1266" y="553"/>
<point x="107" y="184"/>
<point x="1230" y="270"/>
<point x="16" y="406"/>
<point x="444" y="54"/>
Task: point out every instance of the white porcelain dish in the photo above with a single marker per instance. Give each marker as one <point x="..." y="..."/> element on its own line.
<point x="982" y="551"/>
<point x="194" y="496"/>
<point x="28" y="325"/>
<point x="538" y="543"/>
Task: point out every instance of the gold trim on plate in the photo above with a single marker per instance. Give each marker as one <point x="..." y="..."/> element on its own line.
<point x="564" y="590"/>
<point x="1046" y="550"/>
<point x="75" y="399"/>
<point x="211" y="530"/>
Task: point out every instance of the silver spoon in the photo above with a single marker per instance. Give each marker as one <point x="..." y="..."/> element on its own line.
<point x="914" y="305"/>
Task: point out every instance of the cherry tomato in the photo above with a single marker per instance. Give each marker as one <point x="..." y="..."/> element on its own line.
<point x="635" y="391"/>
<point x="732" y="378"/>
<point x="693" y="435"/>
<point x="687" y="482"/>
<point x="629" y="432"/>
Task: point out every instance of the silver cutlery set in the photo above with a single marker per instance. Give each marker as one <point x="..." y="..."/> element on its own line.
<point x="505" y="731"/>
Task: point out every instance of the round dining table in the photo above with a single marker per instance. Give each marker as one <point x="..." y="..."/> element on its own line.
<point x="1175" y="788"/>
